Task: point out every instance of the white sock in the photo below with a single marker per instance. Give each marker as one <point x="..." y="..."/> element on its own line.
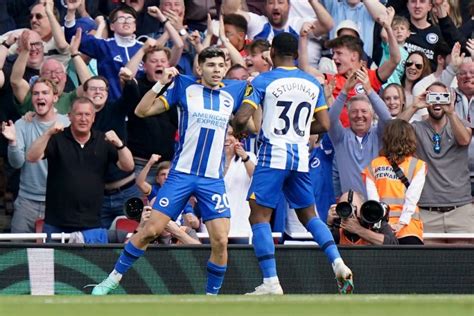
<point x="271" y="280"/>
<point x="114" y="275"/>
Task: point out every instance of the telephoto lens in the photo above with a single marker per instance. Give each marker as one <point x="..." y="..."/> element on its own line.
<point x="133" y="208"/>
<point x="344" y="209"/>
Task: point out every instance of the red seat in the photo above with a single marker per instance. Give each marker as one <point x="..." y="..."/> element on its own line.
<point x="126" y="224"/>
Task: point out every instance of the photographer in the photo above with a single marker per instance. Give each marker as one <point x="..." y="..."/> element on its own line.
<point x="352" y="229"/>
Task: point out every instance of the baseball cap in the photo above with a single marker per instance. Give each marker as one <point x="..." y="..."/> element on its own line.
<point x="347" y="24"/>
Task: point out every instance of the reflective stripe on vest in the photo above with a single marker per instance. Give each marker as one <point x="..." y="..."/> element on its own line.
<point x="415" y="215"/>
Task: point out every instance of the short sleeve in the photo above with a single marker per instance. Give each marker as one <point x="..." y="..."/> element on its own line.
<point x="321" y="103"/>
<point x="172" y="95"/>
<point x="255" y="92"/>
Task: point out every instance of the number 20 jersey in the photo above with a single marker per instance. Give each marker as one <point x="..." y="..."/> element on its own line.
<point x="289" y="97"/>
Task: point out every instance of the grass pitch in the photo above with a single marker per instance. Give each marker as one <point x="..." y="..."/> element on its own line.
<point x="239" y="305"/>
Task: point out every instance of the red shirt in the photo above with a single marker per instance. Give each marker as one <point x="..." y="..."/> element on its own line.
<point x="375" y="82"/>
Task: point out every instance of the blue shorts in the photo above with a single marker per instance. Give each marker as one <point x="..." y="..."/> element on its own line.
<point x="267" y="182"/>
<point x="178" y="188"/>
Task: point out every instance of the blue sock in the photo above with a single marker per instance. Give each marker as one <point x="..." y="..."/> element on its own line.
<point x="215" y="277"/>
<point x="323" y="237"/>
<point x="127" y="258"/>
<point x="264" y="249"/>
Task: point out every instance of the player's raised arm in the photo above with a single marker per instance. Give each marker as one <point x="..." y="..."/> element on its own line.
<point x="152" y="102"/>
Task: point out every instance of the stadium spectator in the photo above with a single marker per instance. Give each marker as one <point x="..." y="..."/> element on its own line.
<point x="238" y="170"/>
<point x="363" y="13"/>
<point x="146" y="25"/>
<point x="357" y="145"/>
<point x="196" y="166"/>
<point x="112" y="53"/>
<point x="448" y="62"/>
<point x="401" y="30"/>
<point x="417" y="67"/>
<point x="321" y="159"/>
<point x="447" y="14"/>
<point x="237" y="72"/>
<point x="50" y="69"/>
<point x="424" y="35"/>
<point x="443" y="141"/>
<point x="257" y="61"/>
<point x="276" y="20"/>
<point x="347" y="54"/>
<point x="397" y="178"/>
<point x="77" y="161"/>
<point x="154" y="134"/>
<point x="29" y="206"/>
<point x="352" y="231"/>
<point x="236" y="31"/>
<point x="464" y="105"/>
<point x="283" y="159"/>
<point x="111" y="115"/>
<point x="394" y="97"/>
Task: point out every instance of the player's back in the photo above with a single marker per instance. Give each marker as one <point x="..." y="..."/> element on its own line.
<point x="288" y="97"/>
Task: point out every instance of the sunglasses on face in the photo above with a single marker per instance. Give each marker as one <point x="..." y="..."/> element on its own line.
<point x="437" y="143"/>
<point x="408" y="64"/>
<point x="38" y="16"/>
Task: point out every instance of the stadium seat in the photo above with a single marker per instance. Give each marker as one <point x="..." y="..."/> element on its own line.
<point x="125" y="224"/>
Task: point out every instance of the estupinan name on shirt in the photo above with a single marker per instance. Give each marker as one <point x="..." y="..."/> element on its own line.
<point x="287" y="87"/>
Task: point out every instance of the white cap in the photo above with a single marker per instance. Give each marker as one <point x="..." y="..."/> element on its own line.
<point x="347" y="24"/>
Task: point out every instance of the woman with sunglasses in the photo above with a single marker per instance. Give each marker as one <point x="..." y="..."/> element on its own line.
<point x="417" y="66"/>
<point x="397" y="178"/>
<point x="394" y="97"/>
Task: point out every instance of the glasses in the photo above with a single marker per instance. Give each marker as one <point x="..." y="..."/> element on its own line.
<point x="408" y="64"/>
<point x="95" y="89"/>
<point x="38" y="16"/>
<point x="123" y="19"/>
<point x="50" y="73"/>
<point x="437" y="143"/>
<point x="36" y="45"/>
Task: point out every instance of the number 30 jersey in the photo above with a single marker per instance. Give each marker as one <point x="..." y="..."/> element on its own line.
<point x="289" y="97"/>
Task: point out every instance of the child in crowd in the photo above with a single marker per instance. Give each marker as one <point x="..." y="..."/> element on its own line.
<point x="401" y="29"/>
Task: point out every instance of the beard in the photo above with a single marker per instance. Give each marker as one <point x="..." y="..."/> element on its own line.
<point x="435" y="116"/>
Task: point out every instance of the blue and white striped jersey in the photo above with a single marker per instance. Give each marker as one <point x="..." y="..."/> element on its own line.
<point x="289" y="97"/>
<point x="203" y="119"/>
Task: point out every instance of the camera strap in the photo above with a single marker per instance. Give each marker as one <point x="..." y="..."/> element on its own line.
<point x="400" y="174"/>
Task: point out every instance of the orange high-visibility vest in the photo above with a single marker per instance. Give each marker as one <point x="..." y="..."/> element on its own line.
<point x="343" y="240"/>
<point x="391" y="190"/>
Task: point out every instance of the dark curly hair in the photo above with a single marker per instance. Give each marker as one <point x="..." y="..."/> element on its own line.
<point x="399" y="141"/>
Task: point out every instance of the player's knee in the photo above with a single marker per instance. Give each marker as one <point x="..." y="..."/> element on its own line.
<point x="219" y="243"/>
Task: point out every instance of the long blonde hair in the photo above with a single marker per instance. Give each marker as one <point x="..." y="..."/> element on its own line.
<point x="454" y="13"/>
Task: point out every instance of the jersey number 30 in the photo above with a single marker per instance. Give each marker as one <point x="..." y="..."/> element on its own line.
<point x="296" y="118"/>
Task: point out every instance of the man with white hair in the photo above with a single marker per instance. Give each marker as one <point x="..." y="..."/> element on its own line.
<point x="356" y="145"/>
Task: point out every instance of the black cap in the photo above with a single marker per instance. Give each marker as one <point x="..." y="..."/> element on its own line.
<point x="285" y="44"/>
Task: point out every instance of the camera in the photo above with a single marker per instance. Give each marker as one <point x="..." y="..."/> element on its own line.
<point x="438" y="98"/>
<point x="346" y="209"/>
<point x="373" y="212"/>
<point x="133" y="208"/>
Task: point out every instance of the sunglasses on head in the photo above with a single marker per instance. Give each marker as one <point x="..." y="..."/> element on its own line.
<point x="408" y="64"/>
<point x="437" y="143"/>
<point x="38" y="16"/>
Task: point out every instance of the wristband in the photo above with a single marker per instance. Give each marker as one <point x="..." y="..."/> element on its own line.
<point x="246" y="159"/>
<point x="164" y="22"/>
<point x="75" y="55"/>
<point x="6" y="45"/>
<point x="158" y="87"/>
<point x="121" y="147"/>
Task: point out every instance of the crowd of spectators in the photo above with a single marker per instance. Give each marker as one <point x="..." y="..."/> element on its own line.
<point x="89" y="63"/>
